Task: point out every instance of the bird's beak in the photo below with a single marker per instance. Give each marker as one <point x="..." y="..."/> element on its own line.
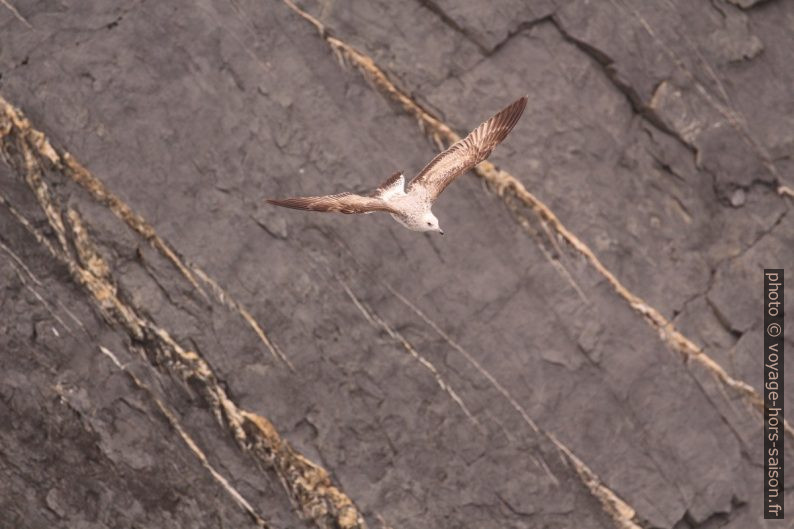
<point x="441" y="232"/>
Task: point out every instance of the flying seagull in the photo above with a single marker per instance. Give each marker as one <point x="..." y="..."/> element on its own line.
<point x="410" y="206"/>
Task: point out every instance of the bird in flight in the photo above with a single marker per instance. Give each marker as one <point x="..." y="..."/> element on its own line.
<point x="411" y="205"/>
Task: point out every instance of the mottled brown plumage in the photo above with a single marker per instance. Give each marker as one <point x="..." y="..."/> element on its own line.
<point x="468" y="152"/>
<point x="411" y="206"/>
<point x="347" y="203"/>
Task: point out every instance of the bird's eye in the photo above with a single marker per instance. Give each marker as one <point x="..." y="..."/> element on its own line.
<point x="429" y="223"/>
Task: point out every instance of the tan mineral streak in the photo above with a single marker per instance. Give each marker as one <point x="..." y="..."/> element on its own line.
<point x="506" y="185"/>
<point x="308" y="485"/>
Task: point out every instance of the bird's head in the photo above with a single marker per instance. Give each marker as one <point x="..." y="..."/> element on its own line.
<point x="429" y="222"/>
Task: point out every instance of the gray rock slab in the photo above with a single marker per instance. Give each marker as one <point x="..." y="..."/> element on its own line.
<point x="421" y="362"/>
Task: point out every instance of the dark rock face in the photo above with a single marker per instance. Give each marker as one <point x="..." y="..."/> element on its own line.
<point x="581" y="349"/>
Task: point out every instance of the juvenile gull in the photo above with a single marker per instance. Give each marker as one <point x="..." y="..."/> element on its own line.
<point x="411" y="205"/>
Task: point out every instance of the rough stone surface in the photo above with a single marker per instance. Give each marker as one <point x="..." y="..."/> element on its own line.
<point x="659" y="133"/>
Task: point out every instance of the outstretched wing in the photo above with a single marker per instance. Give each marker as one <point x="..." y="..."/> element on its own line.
<point x="468" y="152"/>
<point x="341" y="203"/>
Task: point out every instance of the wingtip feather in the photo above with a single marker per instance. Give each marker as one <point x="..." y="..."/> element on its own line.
<point x="293" y="203"/>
